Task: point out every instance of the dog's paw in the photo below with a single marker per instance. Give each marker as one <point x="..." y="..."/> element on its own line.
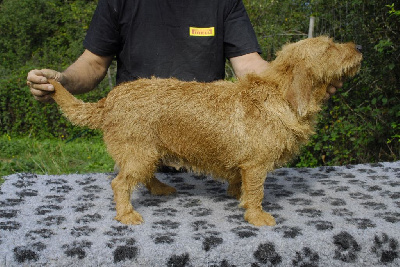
<point x="259" y="218"/>
<point x="132" y="217"/>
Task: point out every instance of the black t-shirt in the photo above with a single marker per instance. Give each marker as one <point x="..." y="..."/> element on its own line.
<point x="185" y="39"/>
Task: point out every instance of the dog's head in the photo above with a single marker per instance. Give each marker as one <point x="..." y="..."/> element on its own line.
<point x="310" y="65"/>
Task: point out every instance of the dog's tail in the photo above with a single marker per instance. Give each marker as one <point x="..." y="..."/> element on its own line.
<point x="77" y="111"/>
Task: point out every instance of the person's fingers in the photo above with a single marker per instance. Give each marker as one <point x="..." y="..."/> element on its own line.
<point x="327" y="96"/>
<point x="51" y="74"/>
<point x="41" y="76"/>
<point x="40" y="86"/>
<point x="39" y="93"/>
<point x="331" y="89"/>
<point x="36" y="76"/>
<point x="337" y="83"/>
<point x="38" y="80"/>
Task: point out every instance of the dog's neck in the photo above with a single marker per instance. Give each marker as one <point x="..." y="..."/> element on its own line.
<point x="267" y="94"/>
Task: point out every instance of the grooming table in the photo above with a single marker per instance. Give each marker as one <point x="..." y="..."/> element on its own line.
<point x="327" y="216"/>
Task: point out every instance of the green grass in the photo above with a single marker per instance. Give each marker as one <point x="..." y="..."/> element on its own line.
<point x="52" y="156"/>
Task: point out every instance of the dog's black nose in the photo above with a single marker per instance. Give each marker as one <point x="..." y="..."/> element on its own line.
<point x="359" y="48"/>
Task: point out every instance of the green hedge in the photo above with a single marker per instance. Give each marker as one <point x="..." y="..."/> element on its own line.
<point x="361" y="123"/>
<point x="39" y="34"/>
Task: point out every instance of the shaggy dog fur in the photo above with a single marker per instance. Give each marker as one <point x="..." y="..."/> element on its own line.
<point x="235" y="131"/>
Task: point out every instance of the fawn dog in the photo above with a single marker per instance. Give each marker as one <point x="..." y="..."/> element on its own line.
<point x="237" y="131"/>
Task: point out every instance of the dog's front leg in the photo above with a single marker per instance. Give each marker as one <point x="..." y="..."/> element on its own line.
<point x="253" y="179"/>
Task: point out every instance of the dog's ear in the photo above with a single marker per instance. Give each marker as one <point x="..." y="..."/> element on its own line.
<point x="298" y="92"/>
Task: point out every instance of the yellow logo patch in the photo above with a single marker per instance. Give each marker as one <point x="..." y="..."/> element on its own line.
<point x="202" y="31"/>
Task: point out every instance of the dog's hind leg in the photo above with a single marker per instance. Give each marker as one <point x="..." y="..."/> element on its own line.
<point x="234" y="189"/>
<point x="156" y="187"/>
<point x="135" y="169"/>
<point x="252" y="195"/>
<point x="123" y="186"/>
<point x="235" y="185"/>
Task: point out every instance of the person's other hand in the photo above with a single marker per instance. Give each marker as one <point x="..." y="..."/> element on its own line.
<point x="39" y="86"/>
<point x="332" y="88"/>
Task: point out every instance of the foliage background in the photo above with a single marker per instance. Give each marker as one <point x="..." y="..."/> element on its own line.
<point x="361" y="123"/>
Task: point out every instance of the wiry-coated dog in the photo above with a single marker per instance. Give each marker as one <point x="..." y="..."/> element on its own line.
<point x="235" y="131"/>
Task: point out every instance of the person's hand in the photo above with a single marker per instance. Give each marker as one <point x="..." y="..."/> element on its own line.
<point x="39" y="86"/>
<point x="332" y="88"/>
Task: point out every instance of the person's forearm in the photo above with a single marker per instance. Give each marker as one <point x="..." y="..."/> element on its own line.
<point x="249" y="63"/>
<point x="85" y="73"/>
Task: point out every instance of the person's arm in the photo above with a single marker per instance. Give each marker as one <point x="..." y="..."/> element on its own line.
<point x="85" y="73"/>
<point x="254" y="63"/>
<point x="82" y="76"/>
<point x="248" y="63"/>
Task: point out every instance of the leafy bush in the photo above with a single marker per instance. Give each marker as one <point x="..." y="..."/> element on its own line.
<point x="48" y="37"/>
<point x="361" y="123"/>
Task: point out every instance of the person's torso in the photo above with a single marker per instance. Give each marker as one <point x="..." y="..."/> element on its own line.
<point x="171" y="38"/>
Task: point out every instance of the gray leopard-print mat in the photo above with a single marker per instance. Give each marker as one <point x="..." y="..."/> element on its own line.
<point x="328" y="216"/>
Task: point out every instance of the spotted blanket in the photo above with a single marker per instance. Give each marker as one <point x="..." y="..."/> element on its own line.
<point x="328" y="216"/>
